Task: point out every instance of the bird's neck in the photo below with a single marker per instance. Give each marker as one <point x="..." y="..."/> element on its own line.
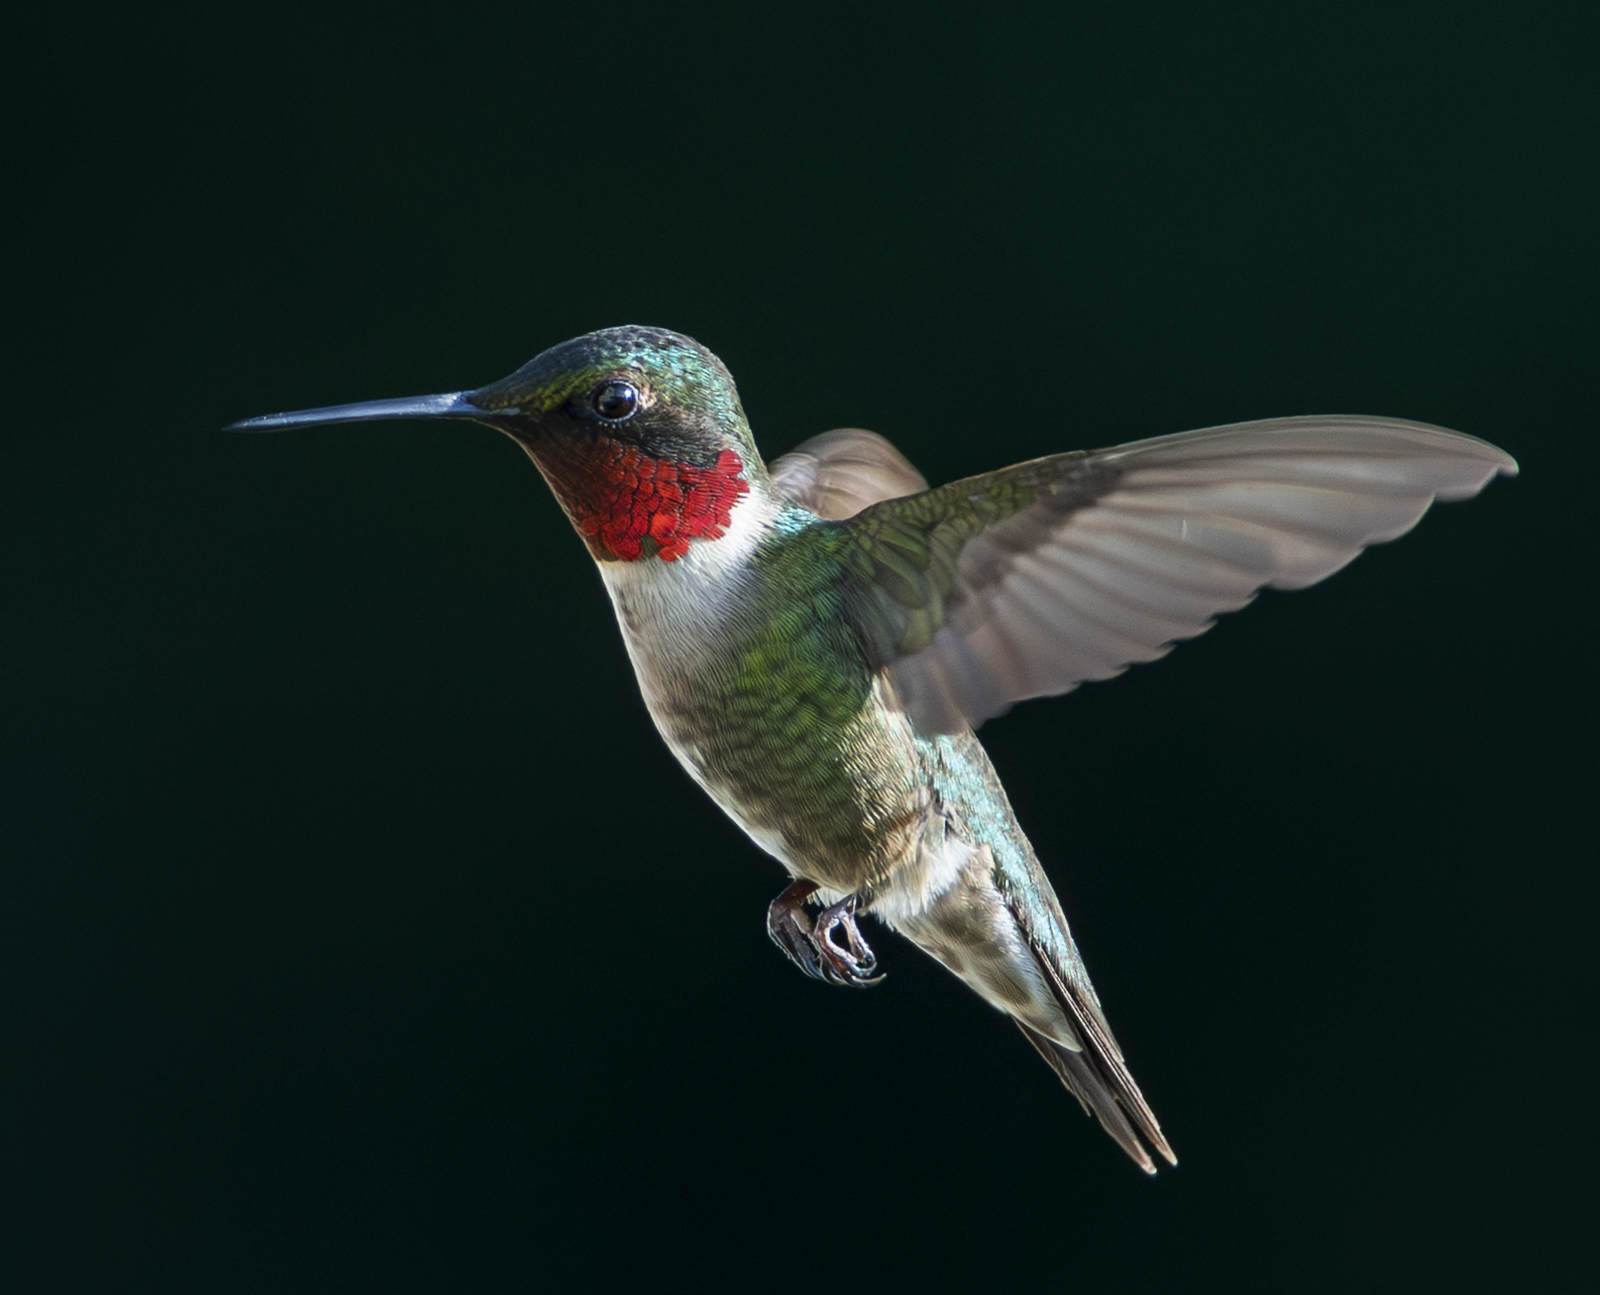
<point x="631" y="506"/>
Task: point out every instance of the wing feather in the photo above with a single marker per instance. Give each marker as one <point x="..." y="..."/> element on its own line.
<point x="838" y="473"/>
<point x="1040" y="577"/>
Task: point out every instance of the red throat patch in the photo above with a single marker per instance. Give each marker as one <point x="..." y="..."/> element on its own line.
<point x="634" y="504"/>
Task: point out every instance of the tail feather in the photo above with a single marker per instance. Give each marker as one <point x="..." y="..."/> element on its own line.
<point x="1000" y="928"/>
<point x="1021" y="958"/>
<point x="1095" y="1073"/>
<point x="1104" y="1091"/>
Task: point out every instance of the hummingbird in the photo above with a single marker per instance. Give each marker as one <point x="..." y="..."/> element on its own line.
<point x="818" y="638"/>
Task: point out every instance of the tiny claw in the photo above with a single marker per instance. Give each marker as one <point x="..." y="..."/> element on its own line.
<point x="811" y="944"/>
<point x="853" y="962"/>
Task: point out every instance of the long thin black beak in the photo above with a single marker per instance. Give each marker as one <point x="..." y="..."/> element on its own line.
<point x="451" y="404"/>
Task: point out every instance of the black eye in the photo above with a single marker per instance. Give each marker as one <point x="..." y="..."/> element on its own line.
<point x="615" y="400"/>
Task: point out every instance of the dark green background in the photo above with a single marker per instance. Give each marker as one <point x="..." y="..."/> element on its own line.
<point x="358" y="931"/>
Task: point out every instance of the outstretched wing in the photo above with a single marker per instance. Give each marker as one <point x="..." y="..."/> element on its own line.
<point x="1031" y="580"/>
<point x="839" y="473"/>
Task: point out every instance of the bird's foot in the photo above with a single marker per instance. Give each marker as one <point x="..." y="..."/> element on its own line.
<point x="812" y="943"/>
<point x="853" y="960"/>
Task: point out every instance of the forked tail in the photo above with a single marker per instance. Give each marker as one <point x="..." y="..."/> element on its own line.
<point x="1096" y="1074"/>
<point x="1005" y="935"/>
<point x="1098" y="1077"/>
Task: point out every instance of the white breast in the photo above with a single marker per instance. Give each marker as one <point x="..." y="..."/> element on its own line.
<point x="672" y="615"/>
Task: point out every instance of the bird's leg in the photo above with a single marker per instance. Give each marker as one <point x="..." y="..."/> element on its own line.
<point x="790" y="927"/>
<point x="854" y="960"/>
<point x="810" y="943"/>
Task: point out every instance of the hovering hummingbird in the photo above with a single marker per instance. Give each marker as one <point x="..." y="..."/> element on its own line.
<point x="817" y="638"/>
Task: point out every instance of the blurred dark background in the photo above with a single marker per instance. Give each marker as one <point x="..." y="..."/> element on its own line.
<point x="358" y="931"/>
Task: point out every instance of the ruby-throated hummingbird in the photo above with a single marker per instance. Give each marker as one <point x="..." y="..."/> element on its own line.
<point x="817" y="638"/>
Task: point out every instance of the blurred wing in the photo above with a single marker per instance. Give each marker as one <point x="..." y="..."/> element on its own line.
<point x="839" y="473"/>
<point x="1030" y="580"/>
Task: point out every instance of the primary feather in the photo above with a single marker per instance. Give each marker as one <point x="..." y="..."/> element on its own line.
<point x="1036" y="578"/>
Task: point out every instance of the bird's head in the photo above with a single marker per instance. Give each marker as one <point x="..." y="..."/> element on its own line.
<point x="638" y="430"/>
